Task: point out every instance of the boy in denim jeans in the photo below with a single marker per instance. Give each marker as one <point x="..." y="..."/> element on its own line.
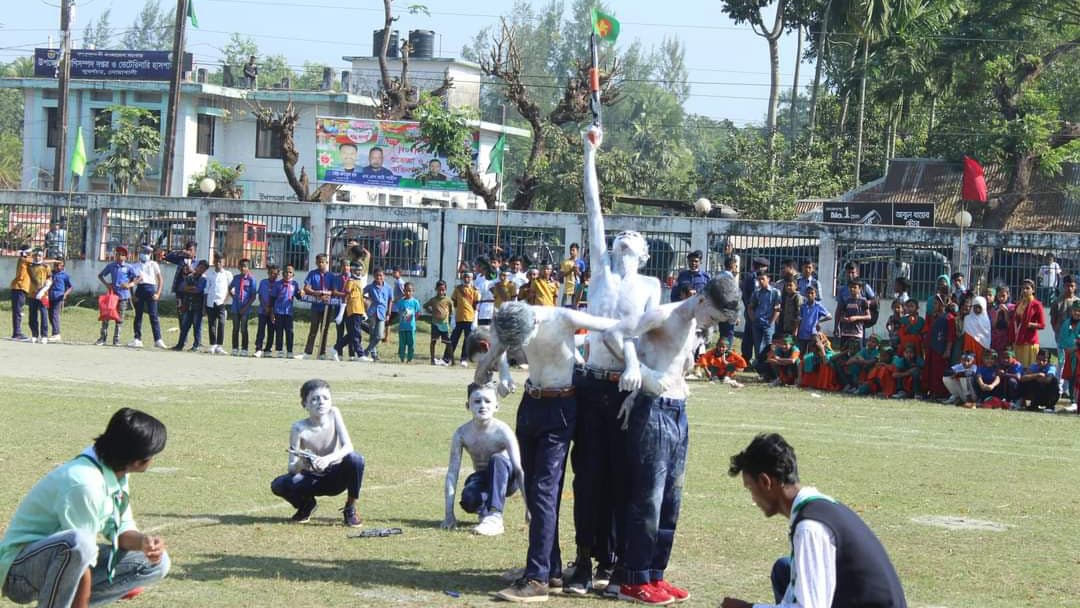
<point x="120" y="277"/>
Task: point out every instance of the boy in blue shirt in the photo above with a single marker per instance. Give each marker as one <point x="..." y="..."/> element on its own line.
<point x="988" y="385"/>
<point x="243" y="291"/>
<point x="320" y="284"/>
<point x="58" y="292"/>
<point x="407" y="308"/>
<point x="192" y="288"/>
<point x="281" y="312"/>
<point x="264" y="335"/>
<point x="378" y="295"/>
<point x="1038" y="384"/>
<point x="120" y="277"/>
<point x="811" y="315"/>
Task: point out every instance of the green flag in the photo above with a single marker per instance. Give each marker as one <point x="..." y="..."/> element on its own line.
<point x="495" y="158"/>
<point x="605" y="26"/>
<point x="191" y="13"/>
<point x="78" y="155"/>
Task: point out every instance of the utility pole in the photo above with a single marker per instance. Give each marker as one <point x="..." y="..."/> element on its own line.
<point x="63" y="69"/>
<point x="169" y="156"/>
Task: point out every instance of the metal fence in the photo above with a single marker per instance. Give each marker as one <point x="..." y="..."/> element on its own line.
<point x="536" y="246"/>
<point x="881" y="264"/>
<point x="262" y="239"/>
<point x="777" y="250"/>
<point x="131" y="228"/>
<point x="59" y="232"/>
<point x="400" y="245"/>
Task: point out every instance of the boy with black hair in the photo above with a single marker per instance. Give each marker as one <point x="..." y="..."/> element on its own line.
<point x="496" y="460"/>
<point x="264" y="335"/>
<point x="960" y="380"/>
<point x="807" y="280"/>
<point x="721" y="363"/>
<point x="58" y="292"/>
<point x="191" y="294"/>
<point x="50" y="553"/>
<point x="322" y="461"/>
<point x="783" y="360"/>
<point x="408" y="308"/>
<point x="355" y="313"/>
<point x="465" y="299"/>
<point x="243" y="291"/>
<point x="40" y="282"/>
<point x="440" y="308"/>
<point x="1038" y="384"/>
<point x="908" y="375"/>
<point x="119" y="277"/>
<point x="988" y="385"/>
<point x="281" y="312"/>
<point x="218" y="281"/>
<point x="852" y="313"/>
<point x="319" y="285"/>
<point x="836" y="560"/>
<point x="790" y="308"/>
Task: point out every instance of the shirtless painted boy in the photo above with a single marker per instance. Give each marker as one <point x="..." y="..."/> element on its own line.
<point x="322" y="461"/>
<point x="496" y="459"/>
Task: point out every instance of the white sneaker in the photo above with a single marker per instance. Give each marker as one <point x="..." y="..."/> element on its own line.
<point x="243" y="353"/>
<point x="136" y="343"/>
<point x="490" y="525"/>
<point x="297" y="356"/>
<point x="44" y="340"/>
<point x="365" y="359"/>
<point x="33" y="340"/>
<point x="55" y="339"/>
<point x="258" y="354"/>
<point x="952" y="400"/>
<point x="466" y="364"/>
<point x="160" y="344"/>
<point x="235" y="352"/>
<point x="1069" y="409"/>
<point x="335" y="356"/>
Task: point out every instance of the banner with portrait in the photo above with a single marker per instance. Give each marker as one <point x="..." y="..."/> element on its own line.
<point x="380" y="153"/>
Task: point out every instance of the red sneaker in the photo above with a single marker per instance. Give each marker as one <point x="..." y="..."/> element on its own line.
<point x="645" y="594"/>
<point x="134" y="593"/>
<point x="680" y="594"/>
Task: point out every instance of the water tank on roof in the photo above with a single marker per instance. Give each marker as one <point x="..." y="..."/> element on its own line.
<point x="377" y="40"/>
<point x="422" y="43"/>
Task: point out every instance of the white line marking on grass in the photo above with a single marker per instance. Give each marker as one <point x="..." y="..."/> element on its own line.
<point x="955" y="522"/>
<point x="163" y="470"/>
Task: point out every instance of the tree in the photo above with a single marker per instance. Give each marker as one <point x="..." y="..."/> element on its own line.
<point x="670" y="62"/>
<point x="132" y="142"/>
<point x="398" y="98"/>
<point x="447" y="134"/>
<point x="152" y="29"/>
<point x="98" y="34"/>
<point x="283" y="124"/>
<point x="1011" y="107"/>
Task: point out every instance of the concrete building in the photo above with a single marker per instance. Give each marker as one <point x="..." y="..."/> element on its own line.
<point x="215" y="122"/>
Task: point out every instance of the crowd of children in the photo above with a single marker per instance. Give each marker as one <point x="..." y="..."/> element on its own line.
<point x="964" y="348"/>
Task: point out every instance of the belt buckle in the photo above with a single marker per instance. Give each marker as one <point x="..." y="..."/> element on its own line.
<point x="614" y="376"/>
<point x="534" y="391"/>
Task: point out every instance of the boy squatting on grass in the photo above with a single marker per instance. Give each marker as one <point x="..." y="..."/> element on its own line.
<point x="50" y="552"/>
<point x="496" y="459"/>
<point x="322" y="461"/>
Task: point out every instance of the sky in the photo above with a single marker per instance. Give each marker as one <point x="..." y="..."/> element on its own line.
<point x="728" y="64"/>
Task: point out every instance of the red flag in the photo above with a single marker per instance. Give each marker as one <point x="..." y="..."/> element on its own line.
<point x="974" y="181"/>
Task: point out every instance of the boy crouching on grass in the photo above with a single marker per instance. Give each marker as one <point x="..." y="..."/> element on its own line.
<point x="321" y="458"/>
<point x="721" y="363"/>
<point x="496" y="458"/>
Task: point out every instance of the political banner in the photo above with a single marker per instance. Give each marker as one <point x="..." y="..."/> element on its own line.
<point x="109" y="65"/>
<point x="381" y="153"/>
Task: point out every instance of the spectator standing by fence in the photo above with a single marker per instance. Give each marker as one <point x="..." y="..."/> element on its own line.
<point x="243" y="292"/>
<point x="20" y="285"/>
<point x="217" y="294"/>
<point x="465" y="299"/>
<point x="319" y="285"/>
<point x="1049" y="276"/>
<point x="379" y="298"/>
<point x="1059" y="309"/>
<point x="58" y="293"/>
<point x="1027" y="319"/>
<point x="40" y="282"/>
<point x="147" y="295"/>
<point x="120" y="277"/>
<point x="690" y="280"/>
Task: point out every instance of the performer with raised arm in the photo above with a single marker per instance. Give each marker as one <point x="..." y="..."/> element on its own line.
<point x="545" y="423"/>
<point x="616" y="291"/>
<point x="656" y="438"/>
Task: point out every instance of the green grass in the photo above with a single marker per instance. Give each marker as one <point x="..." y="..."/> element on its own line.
<point x="208" y="493"/>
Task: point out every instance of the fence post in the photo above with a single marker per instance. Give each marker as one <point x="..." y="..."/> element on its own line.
<point x="574" y="234"/>
<point x="699" y="239"/>
<point x="204" y="232"/>
<point x="319" y="230"/>
<point x="449" y="229"/>
<point x="95" y="229"/>
<point x="826" y="264"/>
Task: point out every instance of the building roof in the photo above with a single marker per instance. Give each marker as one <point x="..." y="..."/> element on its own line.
<point x="197" y="88"/>
<point x="1052" y="206"/>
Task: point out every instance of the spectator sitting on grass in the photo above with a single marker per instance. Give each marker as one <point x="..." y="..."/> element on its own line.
<point x="496" y="458"/>
<point x="322" y="461"/>
<point x="908" y="374"/>
<point x="1039" y="383"/>
<point x="880" y="378"/>
<point x="960" y="380"/>
<point x="783" y="361"/>
<point x="721" y="363"/>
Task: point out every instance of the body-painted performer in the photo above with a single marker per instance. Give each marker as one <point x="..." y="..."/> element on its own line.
<point x="545" y="422"/>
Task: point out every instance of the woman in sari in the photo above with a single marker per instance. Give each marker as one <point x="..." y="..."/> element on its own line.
<point x="1027" y="319"/>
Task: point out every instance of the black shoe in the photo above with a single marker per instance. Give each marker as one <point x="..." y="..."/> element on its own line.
<point x="603" y="576"/>
<point x="178" y="347"/>
<point x="303" y="514"/>
<point x="524" y="590"/>
<point x="555" y="584"/>
<point x="580" y="580"/>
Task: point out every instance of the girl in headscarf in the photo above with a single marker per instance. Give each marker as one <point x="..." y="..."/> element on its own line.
<point x="999" y="322"/>
<point x="1027" y="319"/>
<point x="977" y="337"/>
<point x="936" y="303"/>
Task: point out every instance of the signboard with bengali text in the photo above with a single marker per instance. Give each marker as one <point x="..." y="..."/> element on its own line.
<point x="912" y="215"/>
<point x="109" y="65"/>
<point x="381" y="153"/>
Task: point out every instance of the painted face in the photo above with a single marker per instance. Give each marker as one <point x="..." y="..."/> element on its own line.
<point x="629" y="242"/>
<point x="318" y="402"/>
<point x="482" y="404"/>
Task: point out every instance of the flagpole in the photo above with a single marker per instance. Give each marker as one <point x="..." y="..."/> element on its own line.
<point x="594" y="80"/>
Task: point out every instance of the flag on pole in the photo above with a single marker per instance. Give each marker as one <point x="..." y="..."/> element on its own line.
<point x="974" y="186"/>
<point x="495" y="158"/>
<point x="78" y="155"/>
<point x="605" y="26"/>
<point x="191" y="13"/>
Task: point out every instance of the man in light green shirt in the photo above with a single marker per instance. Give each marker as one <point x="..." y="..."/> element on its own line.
<point x="50" y="552"/>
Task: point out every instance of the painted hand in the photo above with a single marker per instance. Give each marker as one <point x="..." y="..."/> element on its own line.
<point x="320" y="463"/>
<point x="506" y="387"/>
<point x="624" y="411"/>
<point x="630" y="380"/>
<point x="449" y="523"/>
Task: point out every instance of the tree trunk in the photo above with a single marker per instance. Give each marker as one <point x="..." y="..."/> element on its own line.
<point x="1023" y="168"/>
<point x="774" y="83"/>
<point x="817" y="71"/>
<point x="862" y="112"/>
<point x="795" y="93"/>
<point x="846" y="103"/>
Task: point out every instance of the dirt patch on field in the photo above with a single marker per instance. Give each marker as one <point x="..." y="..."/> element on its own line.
<point x="137" y="367"/>
<point x="954" y="522"/>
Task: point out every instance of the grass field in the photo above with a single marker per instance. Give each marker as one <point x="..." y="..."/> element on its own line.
<point x="905" y="466"/>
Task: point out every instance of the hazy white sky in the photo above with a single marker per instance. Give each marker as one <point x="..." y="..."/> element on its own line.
<point x="729" y="66"/>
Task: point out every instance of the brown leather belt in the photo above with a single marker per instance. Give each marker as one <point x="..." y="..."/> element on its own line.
<point x="599" y="374"/>
<point x="546" y="393"/>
